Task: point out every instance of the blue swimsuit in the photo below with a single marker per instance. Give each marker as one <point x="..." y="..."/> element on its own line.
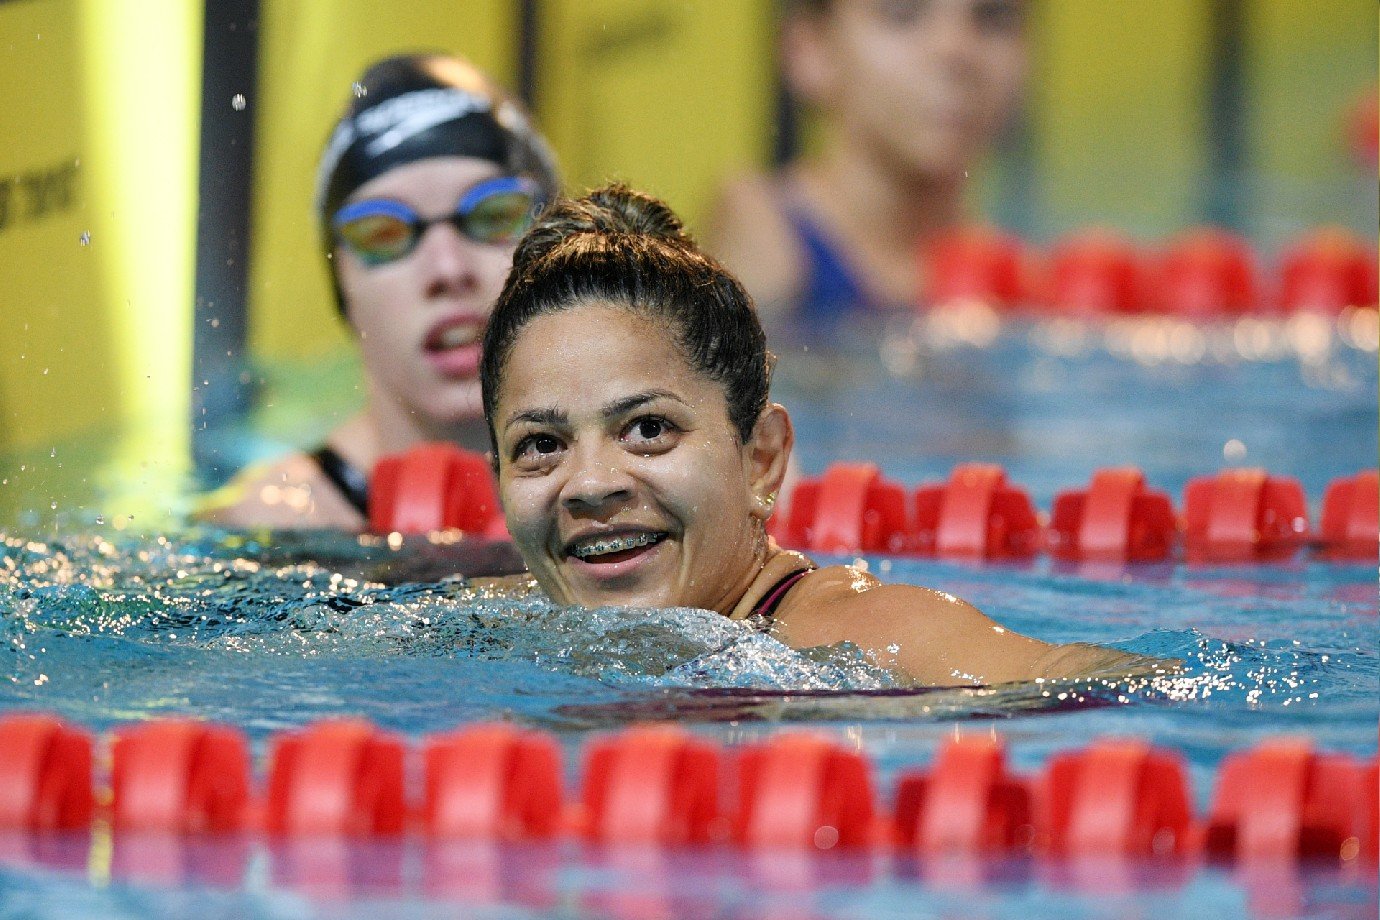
<point x="831" y="290"/>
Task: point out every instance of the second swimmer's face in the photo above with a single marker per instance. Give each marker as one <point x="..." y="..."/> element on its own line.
<point x="622" y="478"/>
<point x="420" y="318"/>
<point x="928" y="82"/>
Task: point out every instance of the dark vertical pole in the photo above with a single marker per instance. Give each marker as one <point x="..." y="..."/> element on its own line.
<point x="1225" y="197"/>
<point x="529" y="34"/>
<point x="785" y="142"/>
<point x="229" y="97"/>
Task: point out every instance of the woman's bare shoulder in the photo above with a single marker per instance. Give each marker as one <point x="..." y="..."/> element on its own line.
<point x="841" y="602"/>
<point x="933" y="637"/>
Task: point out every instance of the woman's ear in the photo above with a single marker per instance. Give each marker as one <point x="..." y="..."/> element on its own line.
<point x="769" y="454"/>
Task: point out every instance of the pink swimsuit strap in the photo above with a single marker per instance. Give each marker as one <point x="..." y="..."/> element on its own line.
<point x="766" y="607"/>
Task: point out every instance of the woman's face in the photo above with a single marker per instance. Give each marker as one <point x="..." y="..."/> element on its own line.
<point x="929" y="82"/>
<point x="420" y="318"/>
<point x="622" y="478"/>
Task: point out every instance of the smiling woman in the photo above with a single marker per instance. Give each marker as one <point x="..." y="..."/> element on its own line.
<point x="625" y="381"/>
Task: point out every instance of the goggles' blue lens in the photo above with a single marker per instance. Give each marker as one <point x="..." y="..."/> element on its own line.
<point x="381" y="230"/>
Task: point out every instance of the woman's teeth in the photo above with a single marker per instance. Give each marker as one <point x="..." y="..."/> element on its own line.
<point x="615" y="545"/>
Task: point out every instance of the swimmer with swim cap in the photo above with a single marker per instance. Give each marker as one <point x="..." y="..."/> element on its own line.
<point x="425" y="184"/>
<point x="626" y="387"/>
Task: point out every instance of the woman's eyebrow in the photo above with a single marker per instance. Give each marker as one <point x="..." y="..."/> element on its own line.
<point x="554" y="418"/>
<point x="629" y="403"/>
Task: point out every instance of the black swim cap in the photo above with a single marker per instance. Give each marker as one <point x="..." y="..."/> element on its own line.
<point x="415" y="106"/>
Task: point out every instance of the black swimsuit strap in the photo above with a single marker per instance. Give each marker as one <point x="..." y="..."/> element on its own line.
<point x="347" y="478"/>
<point x="766" y="607"/>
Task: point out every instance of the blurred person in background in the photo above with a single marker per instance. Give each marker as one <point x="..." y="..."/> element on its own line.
<point x="910" y="95"/>
<point x="425" y="185"/>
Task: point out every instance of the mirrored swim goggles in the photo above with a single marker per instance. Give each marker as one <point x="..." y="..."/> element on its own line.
<point x="495" y="211"/>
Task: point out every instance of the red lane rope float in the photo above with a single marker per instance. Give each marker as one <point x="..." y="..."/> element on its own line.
<point x="1282" y="800"/>
<point x="976" y="263"/>
<point x="652" y="785"/>
<point x="1235" y="516"/>
<point x="803" y="792"/>
<point x="658" y="786"/>
<point x="180" y="776"/>
<point x="977" y="514"/>
<point x="1097" y="272"/>
<point x="1328" y="270"/>
<point x="1204" y="273"/>
<point x="966" y="804"/>
<point x="496" y="782"/>
<point x="1244" y="515"/>
<point x="849" y="509"/>
<point x="1350" y="526"/>
<point x="1115" y="519"/>
<point x="45" y="774"/>
<point x="1207" y="273"/>
<point x="434" y="486"/>
<point x="336" y="778"/>
<point x="1116" y="798"/>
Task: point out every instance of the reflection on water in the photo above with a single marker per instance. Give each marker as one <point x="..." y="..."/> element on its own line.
<point x="219" y="877"/>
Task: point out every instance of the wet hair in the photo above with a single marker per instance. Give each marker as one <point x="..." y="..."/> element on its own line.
<point x="619" y="246"/>
<point x="413" y="106"/>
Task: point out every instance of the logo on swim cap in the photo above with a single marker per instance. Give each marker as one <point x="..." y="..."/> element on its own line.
<point x="391" y="123"/>
<point x="403" y="116"/>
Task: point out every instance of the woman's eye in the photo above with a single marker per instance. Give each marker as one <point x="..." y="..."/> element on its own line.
<point x="649" y="428"/>
<point x="536" y="447"/>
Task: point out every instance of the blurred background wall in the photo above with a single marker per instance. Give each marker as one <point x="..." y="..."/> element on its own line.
<point x="162" y="272"/>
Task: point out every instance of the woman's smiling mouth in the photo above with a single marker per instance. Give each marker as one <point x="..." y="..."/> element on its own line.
<point x="607" y="551"/>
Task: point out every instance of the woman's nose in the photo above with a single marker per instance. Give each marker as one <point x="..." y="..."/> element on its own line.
<point x="596" y="482"/>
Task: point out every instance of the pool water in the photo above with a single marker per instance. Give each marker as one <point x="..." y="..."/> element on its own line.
<point x="269" y="633"/>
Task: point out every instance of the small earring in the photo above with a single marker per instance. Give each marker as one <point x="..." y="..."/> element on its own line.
<point x="768" y="501"/>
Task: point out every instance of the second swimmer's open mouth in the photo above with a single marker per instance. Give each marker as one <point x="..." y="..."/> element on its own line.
<point x="608" y="549"/>
<point x="454" y="335"/>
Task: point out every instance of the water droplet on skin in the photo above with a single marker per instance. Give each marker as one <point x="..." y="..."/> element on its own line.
<point x="85" y="238"/>
<point x="238" y="102"/>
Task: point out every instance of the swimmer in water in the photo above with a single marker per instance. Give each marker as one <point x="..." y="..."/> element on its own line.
<point x="625" y="381"/>
<point x="425" y="185"/>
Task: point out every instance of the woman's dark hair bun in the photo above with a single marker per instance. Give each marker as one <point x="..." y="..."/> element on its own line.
<point x="614" y="210"/>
